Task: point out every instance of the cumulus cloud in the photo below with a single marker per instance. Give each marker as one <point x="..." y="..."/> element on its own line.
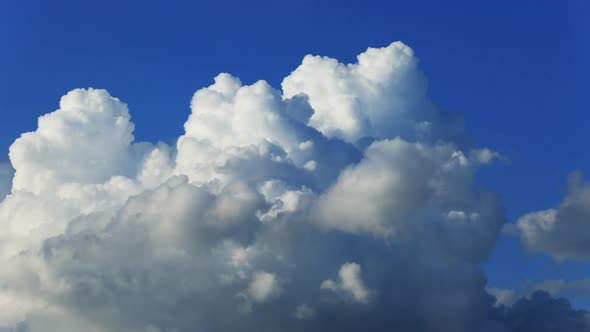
<point x="250" y="133"/>
<point x="349" y="282"/>
<point x="87" y="140"/>
<point x="562" y="232"/>
<point x="383" y="95"/>
<point x="345" y="201"/>
<point x="400" y="187"/>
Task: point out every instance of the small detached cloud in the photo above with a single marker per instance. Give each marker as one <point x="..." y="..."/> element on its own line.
<point x="264" y="286"/>
<point x="349" y="283"/>
<point x="562" y="232"/>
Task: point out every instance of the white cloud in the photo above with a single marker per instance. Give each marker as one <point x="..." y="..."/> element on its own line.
<point x="383" y="95"/>
<point x="261" y="200"/>
<point x="249" y="133"/>
<point x="349" y="282"/>
<point x="562" y="232"/>
<point x="87" y="140"/>
<point x="264" y="286"/>
<point x="369" y="98"/>
<point x="399" y="187"/>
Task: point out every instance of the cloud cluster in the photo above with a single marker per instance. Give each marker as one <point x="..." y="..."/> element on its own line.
<point x="345" y="201"/>
<point x="562" y="232"/>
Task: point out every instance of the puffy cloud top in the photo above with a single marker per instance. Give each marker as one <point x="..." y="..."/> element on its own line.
<point x="383" y="95"/>
<point x="349" y="282"/>
<point x="87" y="140"/>
<point x="251" y="133"/>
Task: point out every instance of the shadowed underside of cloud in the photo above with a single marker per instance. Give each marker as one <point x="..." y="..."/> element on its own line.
<point x="346" y="202"/>
<point x="6" y="174"/>
<point x="538" y="313"/>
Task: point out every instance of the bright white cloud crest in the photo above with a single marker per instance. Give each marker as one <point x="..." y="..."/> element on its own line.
<point x="274" y="210"/>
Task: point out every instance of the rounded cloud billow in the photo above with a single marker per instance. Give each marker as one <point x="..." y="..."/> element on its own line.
<point x="345" y="201"/>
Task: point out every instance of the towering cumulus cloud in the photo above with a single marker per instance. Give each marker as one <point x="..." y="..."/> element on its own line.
<point x="343" y="202"/>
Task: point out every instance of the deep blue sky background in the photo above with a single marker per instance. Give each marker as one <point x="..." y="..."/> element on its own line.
<point x="518" y="70"/>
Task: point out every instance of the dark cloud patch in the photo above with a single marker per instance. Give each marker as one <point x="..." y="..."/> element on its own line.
<point x="538" y="313"/>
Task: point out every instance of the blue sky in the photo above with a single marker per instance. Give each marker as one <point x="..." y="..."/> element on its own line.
<point x="517" y="70"/>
